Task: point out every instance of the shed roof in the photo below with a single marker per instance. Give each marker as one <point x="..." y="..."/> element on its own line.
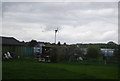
<point x="9" y="41"/>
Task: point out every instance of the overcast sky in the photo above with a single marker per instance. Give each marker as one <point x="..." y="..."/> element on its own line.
<point x="78" y="22"/>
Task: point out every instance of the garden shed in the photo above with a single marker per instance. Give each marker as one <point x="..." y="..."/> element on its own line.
<point x="12" y="45"/>
<point x="15" y="47"/>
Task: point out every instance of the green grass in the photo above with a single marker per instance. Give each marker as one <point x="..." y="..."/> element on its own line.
<point x="0" y="70"/>
<point x="29" y="69"/>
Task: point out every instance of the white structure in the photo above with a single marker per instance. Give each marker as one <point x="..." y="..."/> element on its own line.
<point x="55" y="34"/>
<point x="38" y="48"/>
<point x="107" y="52"/>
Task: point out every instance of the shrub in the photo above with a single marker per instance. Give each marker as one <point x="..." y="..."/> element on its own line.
<point x="93" y="52"/>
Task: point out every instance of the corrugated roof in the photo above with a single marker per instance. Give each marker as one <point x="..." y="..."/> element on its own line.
<point x="9" y="41"/>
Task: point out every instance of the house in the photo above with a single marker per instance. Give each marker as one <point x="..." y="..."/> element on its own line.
<point x="107" y="52"/>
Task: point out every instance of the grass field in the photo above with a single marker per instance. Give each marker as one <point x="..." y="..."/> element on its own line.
<point x="29" y="69"/>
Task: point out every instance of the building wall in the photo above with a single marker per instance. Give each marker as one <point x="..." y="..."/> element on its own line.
<point x="28" y="51"/>
<point x="16" y="51"/>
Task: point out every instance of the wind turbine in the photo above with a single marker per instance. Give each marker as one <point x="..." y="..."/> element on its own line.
<point x="55" y="34"/>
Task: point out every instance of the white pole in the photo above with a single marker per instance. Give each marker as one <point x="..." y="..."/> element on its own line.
<point x="55" y="36"/>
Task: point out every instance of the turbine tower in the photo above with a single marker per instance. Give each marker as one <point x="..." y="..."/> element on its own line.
<point x="55" y="34"/>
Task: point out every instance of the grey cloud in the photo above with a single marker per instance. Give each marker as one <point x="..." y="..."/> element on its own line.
<point x="95" y="17"/>
<point x="44" y="12"/>
<point x="0" y="11"/>
<point x="61" y="1"/>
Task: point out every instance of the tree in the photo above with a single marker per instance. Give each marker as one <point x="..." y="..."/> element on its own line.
<point x="111" y="43"/>
<point x="33" y="43"/>
<point x="78" y="51"/>
<point x="58" y="54"/>
<point x="93" y="52"/>
<point x="64" y="43"/>
<point x="59" y="43"/>
<point x="74" y="52"/>
<point x="53" y="54"/>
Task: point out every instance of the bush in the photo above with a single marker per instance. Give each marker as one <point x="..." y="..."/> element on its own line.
<point x="59" y="54"/>
<point x="93" y="52"/>
<point x="53" y="55"/>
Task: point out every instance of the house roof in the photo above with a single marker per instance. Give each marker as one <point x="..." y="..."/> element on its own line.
<point x="9" y="41"/>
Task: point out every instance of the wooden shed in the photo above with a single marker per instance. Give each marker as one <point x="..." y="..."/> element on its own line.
<point x="15" y="47"/>
<point x="12" y="45"/>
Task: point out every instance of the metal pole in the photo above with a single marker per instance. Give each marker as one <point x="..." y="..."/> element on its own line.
<point x="55" y="36"/>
